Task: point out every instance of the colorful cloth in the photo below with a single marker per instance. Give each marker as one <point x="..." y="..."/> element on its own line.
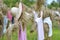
<point x="5" y="24"/>
<point x="22" y="33"/>
<point x="20" y="10"/>
<point x="9" y="15"/>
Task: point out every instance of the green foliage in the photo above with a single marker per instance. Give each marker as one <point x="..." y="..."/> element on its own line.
<point x="10" y="3"/>
<point x="49" y="6"/>
<point x="28" y="3"/>
<point x="53" y="4"/>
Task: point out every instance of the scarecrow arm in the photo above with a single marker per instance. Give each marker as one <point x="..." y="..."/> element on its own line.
<point x="34" y="26"/>
<point x="2" y="14"/>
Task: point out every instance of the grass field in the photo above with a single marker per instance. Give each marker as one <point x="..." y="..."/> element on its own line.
<point x="33" y="36"/>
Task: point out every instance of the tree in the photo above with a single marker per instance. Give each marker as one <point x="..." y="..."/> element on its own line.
<point x="53" y="4"/>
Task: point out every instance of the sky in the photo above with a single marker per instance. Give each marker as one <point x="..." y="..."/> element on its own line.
<point x="49" y="1"/>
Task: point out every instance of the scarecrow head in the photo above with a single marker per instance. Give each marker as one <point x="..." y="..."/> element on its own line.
<point x="39" y="4"/>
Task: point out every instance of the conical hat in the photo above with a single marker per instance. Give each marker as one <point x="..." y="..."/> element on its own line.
<point x="17" y="11"/>
<point x="14" y="10"/>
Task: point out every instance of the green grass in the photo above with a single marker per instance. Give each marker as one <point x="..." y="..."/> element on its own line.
<point x="33" y="36"/>
<point x="56" y="34"/>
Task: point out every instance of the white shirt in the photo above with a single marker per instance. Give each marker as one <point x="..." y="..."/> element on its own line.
<point x="49" y="22"/>
<point x="39" y="26"/>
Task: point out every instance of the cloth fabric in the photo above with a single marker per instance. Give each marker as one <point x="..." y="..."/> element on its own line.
<point x="5" y="21"/>
<point x="12" y="20"/>
<point x="49" y="22"/>
<point x="35" y="15"/>
<point x="39" y="22"/>
<point x="22" y="33"/>
<point x="20" y="10"/>
<point x="9" y="15"/>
